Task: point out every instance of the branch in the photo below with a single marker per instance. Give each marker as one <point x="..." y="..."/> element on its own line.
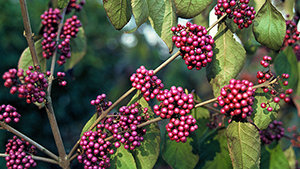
<point x="28" y="33"/>
<point x="214" y="24"/>
<point x="47" y="160"/>
<point x="19" y="134"/>
<point x="166" y="62"/>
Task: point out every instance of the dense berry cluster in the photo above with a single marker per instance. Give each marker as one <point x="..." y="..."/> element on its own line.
<point x="272" y="132"/>
<point x="9" y="113"/>
<point x="73" y="5"/>
<point x="179" y="128"/>
<point x="239" y="10"/>
<point x="194" y="43"/>
<point x="31" y="85"/>
<point x="96" y="149"/>
<point x="236" y="99"/>
<point x="292" y="34"/>
<point x="173" y="102"/>
<point x="50" y="20"/>
<point x="145" y="81"/>
<point x="19" y="154"/>
<point x="60" y="76"/>
<point x="101" y="104"/>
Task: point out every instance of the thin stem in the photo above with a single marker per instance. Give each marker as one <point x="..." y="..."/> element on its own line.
<point x="28" y="33"/>
<point x="206" y="102"/>
<point x="215" y="23"/>
<point x="21" y="135"/>
<point x="167" y="62"/>
<point x="48" y="160"/>
<point x="51" y="78"/>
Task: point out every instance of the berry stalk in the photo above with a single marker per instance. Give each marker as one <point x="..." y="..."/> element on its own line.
<point x="215" y="23"/>
<point x="21" y="135"/>
<point x="47" y="160"/>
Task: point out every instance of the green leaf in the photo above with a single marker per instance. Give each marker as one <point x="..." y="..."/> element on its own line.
<point x="190" y="8"/>
<point x="89" y="124"/>
<point x="26" y="60"/>
<point x="122" y="159"/>
<point x="162" y="16"/>
<point x="228" y="60"/>
<point x="244" y="145"/>
<point x="286" y="62"/>
<point x="273" y="157"/>
<point x="61" y="4"/>
<point x="118" y="12"/>
<point x="261" y="117"/>
<point x="290" y="156"/>
<point x="140" y="12"/>
<point x="146" y="155"/>
<point x="78" y="49"/>
<point x="214" y="152"/>
<point x="269" y="26"/>
<point x="203" y="18"/>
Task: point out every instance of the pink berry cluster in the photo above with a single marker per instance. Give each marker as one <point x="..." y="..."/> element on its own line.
<point x="19" y="154"/>
<point x="9" y="113"/>
<point x="292" y="34"/>
<point x="273" y="132"/>
<point x="295" y="134"/>
<point x="73" y="5"/>
<point x="179" y="128"/>
<point x="239" y="10"/>
<point x="101" y="104"/>
<point x="60" y="76"/>
<point x="236" y="99"/>
<point x="31" y="85"/>
<point x="173" y="102"/>
<point x="50" y="21"/>
<point x="96" y="150"/>
<point x="145" y="81"/>
<point x="194" y="43"/>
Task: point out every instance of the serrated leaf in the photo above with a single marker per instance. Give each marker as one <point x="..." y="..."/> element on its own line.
<point x="162" y="16"/>
<point x="190" y="8"/>
<point x="78" y="49"/>
<point x="261" y="117"/>
<point x="228" y="60"/>
<point x="173" y="152"/>
<point x="269" y="26"/>
<point x="286" y="62"/>
<point x="61" y="4"/>
<point x="213" y="151"/>
<point x="146" y="155"/>
<point x="118" y="12"/>
<point x="290" y="156"/>
<point x="140" y="12"/>
<point x="89" y="124"/>
<point x="273" y="157"/>
<point x="244" y="145"/>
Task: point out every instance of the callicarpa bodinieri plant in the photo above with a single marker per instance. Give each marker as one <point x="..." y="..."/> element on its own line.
<point x="243" y="124"/>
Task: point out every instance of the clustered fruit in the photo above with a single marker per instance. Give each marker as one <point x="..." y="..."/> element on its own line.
<point x="96" y="149"/>
<point x="9" y="113"/>
<point x="60" y="77"/>
<point x="292" y="34"/>
<point x="19" y="154"/>
<point x="173" y="102"/>
<point x="145" y="81"/>
<point x="273" y="132"/>
<point x="179" y="128"/>
<point x="296" y="136"/>
<point x="101" y="104"/>
<point x="239" y="10"/>
<point x="264" y="76"/>
<point x="194" y="43"/>
<point x="73" y="5"/>
<point x="31" y="85"/>
<point x="236" y="99"/>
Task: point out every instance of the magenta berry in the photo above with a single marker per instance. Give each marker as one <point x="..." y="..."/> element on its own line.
<point x="9" y="113"/>
<point x="273" y="132"/>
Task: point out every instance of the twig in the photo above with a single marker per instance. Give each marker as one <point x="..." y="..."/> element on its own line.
<point x="37" y="145"/>
<point x="28" y="33"/>
<point x="215" y="23"/>
<point x="48" y="160"/>
<point x="167" y="62"/>
<point x="206" y="102"/>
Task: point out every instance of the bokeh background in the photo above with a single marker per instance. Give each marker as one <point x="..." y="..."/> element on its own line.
<point x="112" y="56"/>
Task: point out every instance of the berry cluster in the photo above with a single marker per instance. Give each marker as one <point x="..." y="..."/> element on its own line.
<point x="9" y="113"/>
<point x="145" y="81"/>
<point x="60" y="76"/>
<point x="239" y="10"/>
<point x="96" y="149"/>
<point x="70" y="30"/>
<point x="272" y="132"/>
<point x="19" y="152"/>
<point x="179" y="128"/>
<point x="236" y="99"/>
<point x="173" y="102"/>
<point x="101" y="104"/>
<point x="73" y="5"/>
<point x="194" y="44"/>
<point x="292" y="34"/>
<point x="296" y="136"/>
<point x="30" y="85"/>
<point x="50" y="20"/>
